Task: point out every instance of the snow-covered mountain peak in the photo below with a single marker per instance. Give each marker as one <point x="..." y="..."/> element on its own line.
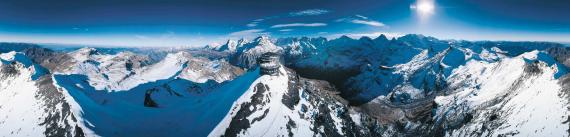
<point x="214" y="46"/>
<point x="345" y="37"/>
<point x="8" y="60"/>
<point x="263" y="41"/>
<point x="412" y="37"/>
<point x="246" y="55"/>
<point x="16" y="57"/>
<point x="285" y="105"/>
<point x="231" y="42"/>
<point x="230" y="46"/>
<point x="410" y="86"/>
<point x="381" y="39"/>
<point x="242" y="41"/>
<point x="179" y="56"/>
<point x="29" y="104"/>
<point x="262" y="38"/>
<point x="86" y="51"/>
<point x="511" y="96"/>
<point x="417" y="39"/>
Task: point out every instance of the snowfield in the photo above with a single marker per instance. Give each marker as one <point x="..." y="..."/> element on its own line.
<point x="520" y="95"/>
<point x="412" y="85"/>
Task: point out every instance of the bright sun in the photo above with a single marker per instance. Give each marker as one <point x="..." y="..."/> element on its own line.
<point x="424" y="7"/>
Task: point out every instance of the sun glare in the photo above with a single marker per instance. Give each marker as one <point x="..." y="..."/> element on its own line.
<point x="424" y="8"/>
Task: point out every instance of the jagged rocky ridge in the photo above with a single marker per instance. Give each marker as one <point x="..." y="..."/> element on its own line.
<point x="29" y="104"/>
<point x="400" y="81"/>
<point x="85" y="88"/>
<point x="284" y="104"/>
<point x="408" y="86"/>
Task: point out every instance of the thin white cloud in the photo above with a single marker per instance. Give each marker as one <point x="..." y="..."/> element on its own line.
<point x="369" y="22"/>
<point x="309" y="12"/>
<point x="286" y="30"/>
<point x="299" y="25"/>
<point x="80" y="29"/>
<point x="141" y="37"/>
<point x="252" y="24"/>
<point x="248" y="32"/>
<point x="359" y="19"/>
<point x="360" y="16"/>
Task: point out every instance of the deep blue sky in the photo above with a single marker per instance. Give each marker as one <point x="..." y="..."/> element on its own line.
<point x="198" y="22"/>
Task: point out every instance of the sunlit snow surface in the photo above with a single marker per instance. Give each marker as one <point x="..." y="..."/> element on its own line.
<point x="24" y="108"/>
<point x="123" y="113"/>
<point x="271" y="124"/>
<point x="19" y="108"/>
<point x="501" y="92"/>
<point x="488" y="93"/>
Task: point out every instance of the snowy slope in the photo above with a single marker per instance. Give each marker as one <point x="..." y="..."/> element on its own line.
<point x="126" y="70"/>
<point x="515" y="96"/>
<point x="182" y="107"/>
<point x="285" y="105"/>
<point x="18" y="104"/>
<point x="29" y="105"/>
<point x="408" y="86"/>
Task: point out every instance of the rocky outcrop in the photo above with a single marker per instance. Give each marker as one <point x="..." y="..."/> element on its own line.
<point x="30" y="104"/>
<point x="288" y="105"/>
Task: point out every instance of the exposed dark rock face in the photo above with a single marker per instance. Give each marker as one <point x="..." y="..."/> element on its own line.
<point x="148" y="102"/>
<point x="533" y="68"/>
<point x="79" y="132"/>
<point x="291" y="98"/>
<point x="337" y="77"/>
<point x="56" y="122"/>
<point x="290" y="126"/>
<point x="565" y="83"/>
<point x="9" y="70"/>
<point x="38" y="54"/>
<point x="57" y="62"/>
<point x="240" y="122"/>
<point x="325" y="100"/>
<point x="305" y="100"/>
<point x="561" y="54"/>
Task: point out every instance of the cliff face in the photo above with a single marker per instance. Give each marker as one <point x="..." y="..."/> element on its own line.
<point x="288" y="105"/>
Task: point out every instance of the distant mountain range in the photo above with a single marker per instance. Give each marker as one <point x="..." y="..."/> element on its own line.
<point x="412" y="85"/>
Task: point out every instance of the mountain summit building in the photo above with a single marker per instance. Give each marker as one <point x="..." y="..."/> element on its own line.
<point x="269" y="63"/>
